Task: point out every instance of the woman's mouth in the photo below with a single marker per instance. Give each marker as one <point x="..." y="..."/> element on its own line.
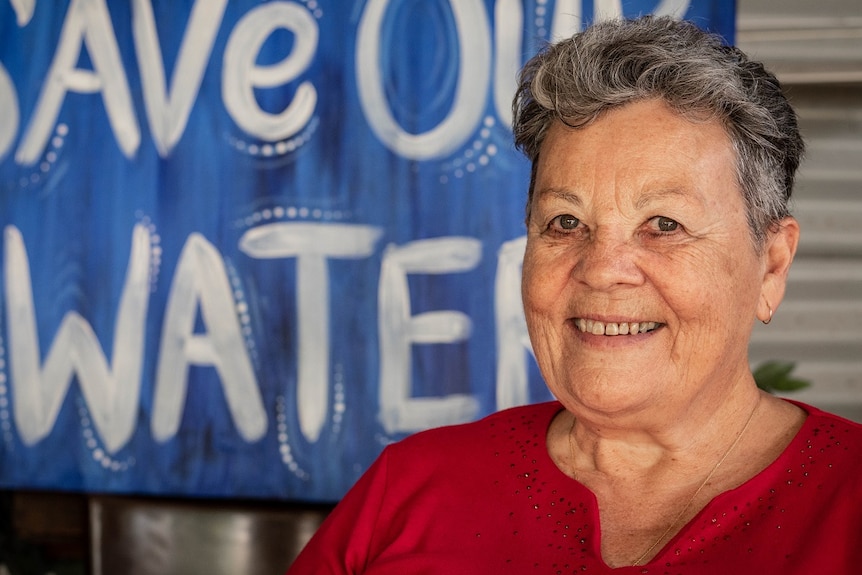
<point x="612" y="328"/>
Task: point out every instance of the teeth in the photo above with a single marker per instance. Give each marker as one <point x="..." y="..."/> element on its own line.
<point x="609" y="328"/>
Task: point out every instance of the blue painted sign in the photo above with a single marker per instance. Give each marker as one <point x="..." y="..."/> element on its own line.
<point x="247" y="244"/>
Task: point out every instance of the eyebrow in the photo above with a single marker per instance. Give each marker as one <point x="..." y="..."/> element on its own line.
<point x="562" y="194"/>
<point x="643" y="200"/>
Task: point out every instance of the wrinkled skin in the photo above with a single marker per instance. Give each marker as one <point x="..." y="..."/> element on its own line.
<point x="638" y="217"/>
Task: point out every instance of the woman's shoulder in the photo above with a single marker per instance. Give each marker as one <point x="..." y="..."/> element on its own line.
<point x="819" y="420"/>
<point x="825" y="433"/>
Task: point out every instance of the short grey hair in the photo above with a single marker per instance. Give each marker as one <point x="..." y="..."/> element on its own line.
<point x="616" y="62"/>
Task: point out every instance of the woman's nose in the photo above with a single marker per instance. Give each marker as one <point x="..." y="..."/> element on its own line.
<point x="606" y="262"/>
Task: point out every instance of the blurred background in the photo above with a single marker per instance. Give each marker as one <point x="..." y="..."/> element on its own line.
<point x="816" y="50"/>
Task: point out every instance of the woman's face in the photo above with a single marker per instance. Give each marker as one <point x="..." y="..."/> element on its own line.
<point x="641" y="282"/>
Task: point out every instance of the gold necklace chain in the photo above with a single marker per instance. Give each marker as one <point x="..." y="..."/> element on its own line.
<point x="697" y="491"/>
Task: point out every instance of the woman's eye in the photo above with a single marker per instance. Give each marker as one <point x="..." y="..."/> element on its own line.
<point x="565" y="222"/>
<point x="664" y="224"/>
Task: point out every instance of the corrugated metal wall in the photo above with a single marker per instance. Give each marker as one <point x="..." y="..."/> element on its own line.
<point x="816" y="50"/>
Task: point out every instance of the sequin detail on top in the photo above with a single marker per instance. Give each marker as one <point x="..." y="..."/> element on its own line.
<point x="779" y="498"/>
<point x="554" y="519"/>
<point x="543" y="503"/>
<point x="485" y="497"/>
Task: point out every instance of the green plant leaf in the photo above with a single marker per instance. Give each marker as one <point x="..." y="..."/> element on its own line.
<point x="773" y="370"/>
<point x="791" y="384"/>
<point x="774" y="376"/>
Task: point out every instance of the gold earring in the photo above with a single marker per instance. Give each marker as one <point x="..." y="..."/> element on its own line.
<point x="768" y="321"/>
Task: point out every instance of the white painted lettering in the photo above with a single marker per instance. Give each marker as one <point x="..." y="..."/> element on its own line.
<point x="567" y="19"/>
<point x="23" y="10"/>
<point x="399" y="330"/>
<point x="311" y="244"/>
<point x="474" y="39"/>
<point x="512" y="336"/>
<point x="168" y="114"/>
<point x="112" y="392"/>
<point x="675" y="8"/>
<point x="607" y="9"/>
<point x="11" y="113"/>
<point x="201" y="282"/>
<point x="240" y="74"/>
<point x="87" y="23"/>
<point x="509" y="21"/>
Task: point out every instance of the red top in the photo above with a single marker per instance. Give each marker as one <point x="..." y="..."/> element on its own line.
<point x="485" y="497"/>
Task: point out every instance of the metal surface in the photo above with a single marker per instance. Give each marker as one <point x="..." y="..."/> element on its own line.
<point x="156" y="537"/>
<point x="804" y="41"/>
<point x="815" y="48"/>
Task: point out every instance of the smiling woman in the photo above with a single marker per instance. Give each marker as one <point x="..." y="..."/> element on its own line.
<point x="680" y="262"/>
<point x="658" y="233"/>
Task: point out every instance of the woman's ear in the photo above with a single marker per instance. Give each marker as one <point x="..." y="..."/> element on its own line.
<point x="778" y="254"/>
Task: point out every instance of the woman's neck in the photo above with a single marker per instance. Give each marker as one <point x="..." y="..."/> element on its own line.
<point x="650" y="442"/>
